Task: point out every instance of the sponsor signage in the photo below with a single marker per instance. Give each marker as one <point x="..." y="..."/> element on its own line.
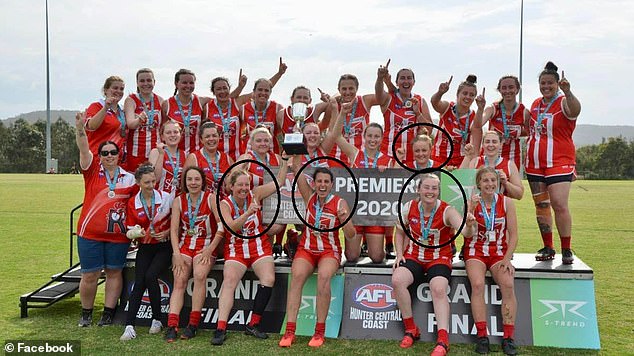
<point x="564" y="313"/>
<point x="370" y="310"/>
<point x="307" y="315"/>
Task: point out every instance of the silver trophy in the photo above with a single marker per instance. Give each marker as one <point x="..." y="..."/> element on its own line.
<point x="294" y="142"/>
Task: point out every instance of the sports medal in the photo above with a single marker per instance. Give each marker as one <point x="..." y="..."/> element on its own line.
<point x="111" y="194"/>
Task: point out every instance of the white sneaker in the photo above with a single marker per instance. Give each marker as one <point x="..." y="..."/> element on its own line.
<point x="156" y="326"/>
<point x="128" y="333"/>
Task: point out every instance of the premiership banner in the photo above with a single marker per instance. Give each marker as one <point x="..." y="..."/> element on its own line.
<point x="378" y="196"/>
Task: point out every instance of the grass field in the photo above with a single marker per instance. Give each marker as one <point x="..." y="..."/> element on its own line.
<point x="34" y="211"/>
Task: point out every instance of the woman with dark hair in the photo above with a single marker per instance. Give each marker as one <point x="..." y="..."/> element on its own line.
<point x="400" y="108"/>
<point x="143" y="117"/>
<point x="550" y="159"/>
<point x="212" y="161"/>
<point x="429" y="221"/>
<point x="224" y="110"/>
<point x="101" y="240"/>
<point x="457" y="119"/>
<point x="105" y="119"/>
<point x="168" y="160"/>
<point x="242" y="214"/>
<point x="317" y="250"/>
<point x="358" y="118"/>
<point x="194" y="222"/>
<point x="148" y="221"/>
<point x="490" y="240"/>
<point x="186" y="109"/>
<point x="301" y="94"/>
<point x="507" y="117"/>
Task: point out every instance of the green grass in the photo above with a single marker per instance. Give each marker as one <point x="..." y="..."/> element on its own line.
<point x="34" y="227"/>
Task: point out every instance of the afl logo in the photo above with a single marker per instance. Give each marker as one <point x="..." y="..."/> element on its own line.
<point x="375" y="296"/>
<point x="165" y="289"/>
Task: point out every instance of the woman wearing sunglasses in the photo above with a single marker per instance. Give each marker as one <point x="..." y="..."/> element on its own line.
<point x="101" y="240"/>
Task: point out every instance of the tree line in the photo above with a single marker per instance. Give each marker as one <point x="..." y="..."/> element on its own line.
<point x="23" y="150"/>
<point x="23" y="146"/>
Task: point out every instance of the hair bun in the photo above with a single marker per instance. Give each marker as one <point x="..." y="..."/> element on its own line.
<point x="471" y="78"/>
<point x="550" y="66"/>
<point x="423" y="131"/>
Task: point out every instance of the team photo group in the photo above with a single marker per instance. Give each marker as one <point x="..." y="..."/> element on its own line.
<point x="183" y="180"/>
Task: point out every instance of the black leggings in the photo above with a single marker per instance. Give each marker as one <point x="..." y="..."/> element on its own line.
<point x="151" y="260"/>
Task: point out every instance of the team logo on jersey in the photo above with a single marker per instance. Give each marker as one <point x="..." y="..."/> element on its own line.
<point x="375" y="296"/>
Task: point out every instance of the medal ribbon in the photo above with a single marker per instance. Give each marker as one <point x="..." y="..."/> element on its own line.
<point x="174" y="163"/>
<point x="426" y="226"/>
<point x="319" y="210"/>
<point x="236" y="214"/>
<point x="365" y="158"/>
<point x="507" y="134"/>
<point x="225" y="122"/>
<point x="255" y="112"/>
<point x="192" y="215"/>
<point x="540" y="113"/>
<point x="489" y="220"/>
<point x="214" y="169"/>
<point x="150" y="213"/>
<point x="112" y="181"/>
<point x="463" y="133"/>
<point x="150" y="116"/>
<point x="347" y="124"/>
<point x="186" y="119"/>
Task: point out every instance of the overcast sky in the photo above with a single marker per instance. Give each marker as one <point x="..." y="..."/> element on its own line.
<point x="592" y="41"/>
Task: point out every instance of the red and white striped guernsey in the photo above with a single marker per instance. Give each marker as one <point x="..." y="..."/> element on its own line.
<point x="550" y="141"/>
<point x="353" y="127"/>
<point x="316" y="241"/>
<point x="456" y="128"/>
<point x="479" y="244"/>
<point x="190" y="140"/>
<point x="145" y="137"/>
<point x="438" y="233"/>
<point x="229" y="124"/>
<point x="204" y="224"/>
<point x="246" y="248"/>
<point x="511" y="144"/>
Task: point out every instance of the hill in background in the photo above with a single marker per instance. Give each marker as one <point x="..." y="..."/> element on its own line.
<point x="584" y="134"/>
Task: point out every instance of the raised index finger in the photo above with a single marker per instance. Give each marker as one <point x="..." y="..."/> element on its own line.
<point x="240" y="75"/>
<point x="562" y="75"/>
<point x="320" y="92"/>
<point x="388" y="62"/>
<point x="483" y="89"/>
<point x="450" y="79"/>
<point x="280" y="60"/>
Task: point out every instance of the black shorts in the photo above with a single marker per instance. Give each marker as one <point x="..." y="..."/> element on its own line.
<point x="551" y="179"/>
<point x="420" y="275"/>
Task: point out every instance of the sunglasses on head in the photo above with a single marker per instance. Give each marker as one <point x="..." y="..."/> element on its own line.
<point x="111" y="152"/>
